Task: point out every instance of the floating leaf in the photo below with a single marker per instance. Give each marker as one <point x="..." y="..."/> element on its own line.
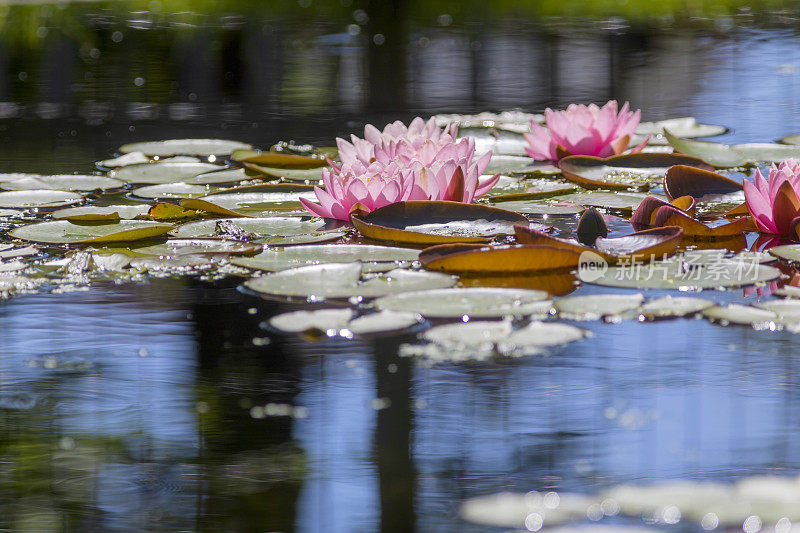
<point x="506" y="259"/>
<point x="519" y="165"/>
<point x="280" y="160"/>
<point x="619" y="201"/>
<point x="95" y="213"/>
<point x="183" y="247"/>
<point x="67" y="232"/>
<point x="640" y="246"/>
<point x="622" y="171"/>
<point x="736" y="155"/>
<point x="741" y="314"/>
<point x="219" y="177"/>
<point x="196" y="147"/>
<point x="299" y="175"/>
<point x="63" y="182"/>
<point x="161" y="173"/>
<point x="675" y="273"/>
<point x="788" y="311"/>
<point x="343" y="280"/>
<point x="260" y="227"/>
<point x="336" y="320"/>
<point x="787" y="252"/>
<point x="283" y="258"/>
<point x="791" y="139"/>
<point x="543" y="209"/>
<point x="436" y="222"/>
<point x="597" y="306"/>
<point x="171" y="190"/>
<point x="673" y="306"/>
<point x="481" y="340"/>
<point x="698" y="183"/>
<point x="694" y="229"/>
<point x="474" y="302"/>
<point x="644" y="216"/>
<point x="683" y="127"/>
<point x="253" y="201"/>
<point x="306" y="238"/>
<point x="162" y="211"/>
<point x="131" y="158"/>
<point x="39" y="198"/>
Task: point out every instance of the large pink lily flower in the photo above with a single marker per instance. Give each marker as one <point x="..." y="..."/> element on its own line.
<point x="584" y="130"/>
<point x="367" y="188"/>
<point x="416" y="162"/>
<point x="774" y="202"/>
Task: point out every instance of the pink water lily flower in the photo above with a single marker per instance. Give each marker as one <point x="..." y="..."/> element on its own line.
<point x="415" y="135"/>
<point x="416" y="162"/>
<point x="364" y="187"/>
<point x="774" y="202"/>
<point x="584" y="130"/>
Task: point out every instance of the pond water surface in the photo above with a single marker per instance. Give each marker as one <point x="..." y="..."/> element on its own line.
<point x="165" y="406"/>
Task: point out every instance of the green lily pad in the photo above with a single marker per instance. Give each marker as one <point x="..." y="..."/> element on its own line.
<point x="629" y="171"/>
<point x="787" y="252"/>
<point x="171" y="190"/>
<point x="95" y="213"/>
<point x="788" y="291"/>
<point x="305" y="238"/>
<point x="253" y="202"/>
<point x="787" y="310"/>
<point x="196" y="147"/>
<point x="262" y="227"/>
<point x="294" y="256"/>
<point x="683" y="127"/>
<point x="675" y="273"/>
<point x="196" y="246"/>
<point x="673" y="306"/>
<point x="39" y="198"/>
<point x="336" y="321"/>
<point x="343" y="280"/>
<point x="63" y="182"/>
<point x="218" y="177"/>
<point x="619" y="201"/>
<point x="160" y="173"/>
<point x="300" y="175"/>
<point x="792" y="139"/>
<point x="597" y="306"/>
<point x="543" y="208"/>
<point x="131" y="158"/>
<point x="480" y="302"/>
<point x="519" y="165"/>
<point x="66" y="232"/>
<point x="735" y="155"/>
<point x="481" y="340"/>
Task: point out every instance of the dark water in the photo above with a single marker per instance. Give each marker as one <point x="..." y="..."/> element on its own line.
<point x="164" y="406"/>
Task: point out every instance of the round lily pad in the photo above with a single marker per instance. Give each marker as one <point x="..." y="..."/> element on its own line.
<point x="254" y="202"/>
<point x="177" y="247"/>
<point x="343" y="280"/>
<point x="434" y="222"/>
<point x="160" y="173"/>
<point x="290" y="257"/>
<point x="341" y="320"/>
<point x="623" y="171"/>
<point x="740" y="314"/>
<point x="131" y="158"/>
<point x="305" y="238"/>
<point x="543" y="208"/>
<point x="171" y="190"/>
<point x="302" y="175"/>
<point x="479" y="302"/>
<point x="261" y="227"/>
<point x="67" y="232"/>
<point x="478" y="340"/>
<point x="673" y="306"/>
<point x="597" y="306"/>
<point x="678" y="274"/>
<point x="197" y="147"/>
<point x="787" y="252"/>
<point x="63" y="182"/>
<point x="791" y="139"/>
<point x="39" y="198"/>
<point x="619" y="201"/>
<point x="231" y="175"/>
<point x="683" y="127"/>
<point x="95" y="213"/>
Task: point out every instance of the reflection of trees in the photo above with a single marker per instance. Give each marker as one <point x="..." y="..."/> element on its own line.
<point x="251" y="468"/>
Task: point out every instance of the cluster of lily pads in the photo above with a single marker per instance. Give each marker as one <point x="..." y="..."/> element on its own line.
<point x="752" y="504"/>
<point x="503" y="235"/>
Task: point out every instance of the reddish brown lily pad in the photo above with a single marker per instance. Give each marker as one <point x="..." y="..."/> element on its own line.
<point x="670" y="216"/>
<point x="683" y="180"/>
<point x="426" y="222"/>
<point x="508" y="259"/>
